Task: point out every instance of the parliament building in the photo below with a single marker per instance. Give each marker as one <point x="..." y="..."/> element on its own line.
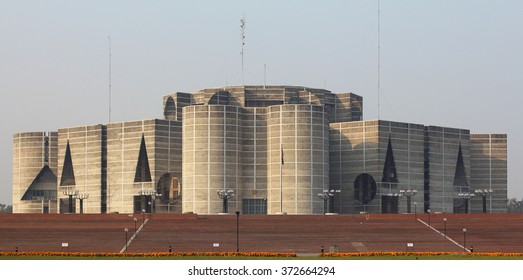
<point x="260" y="150"/>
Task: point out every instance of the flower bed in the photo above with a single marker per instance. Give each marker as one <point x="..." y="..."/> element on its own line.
<point x="374" y="254"/>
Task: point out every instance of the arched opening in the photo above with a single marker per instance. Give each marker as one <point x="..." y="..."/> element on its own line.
<point x="364" y="188"/>
<point x="169" y="110"/>
<point x="170" y="190"/>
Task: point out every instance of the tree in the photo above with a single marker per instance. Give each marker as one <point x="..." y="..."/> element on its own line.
<point x="6" y="208"/>
<point x="514" y="206"/>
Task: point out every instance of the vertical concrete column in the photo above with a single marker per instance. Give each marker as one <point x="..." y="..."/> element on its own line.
<point x="211" y="157"/>
<point x="298" y="158"/>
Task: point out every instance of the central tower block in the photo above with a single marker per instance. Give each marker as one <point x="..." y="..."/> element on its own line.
<point x="298" y="158"/>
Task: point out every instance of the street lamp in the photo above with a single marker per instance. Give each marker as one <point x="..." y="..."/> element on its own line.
<point x="143" y="216"/>
<point x="325" y="195"/>
<point x="81" y="197"/>
<point x="150" y="210"/>
<point x="408" y="193"/>
<point x="445" y="223"/>
<point x="464" y="239"/>
<point x="484" y="193"/>
<point x="428" y="212"/>
<point x="126" y="230"/>
<point x="237" y="231"/>
<point x="152" y="194"/>
<point x="415" y="211"/>
<point x="225" y="195"/>
<point x="135" y="220"/>
<point x="466" y="196"/>
<point x="70" y="193"/>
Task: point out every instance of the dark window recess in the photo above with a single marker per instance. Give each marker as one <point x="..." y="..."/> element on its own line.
<point x="460" y="175"/>
<point x="68" y="170"/>
<point x="143" y="172"/>
<point x="389" y="168"/>
<point x="103" y="181"/>
<point x="364" y="188"/>
<point x="254" y="206"/>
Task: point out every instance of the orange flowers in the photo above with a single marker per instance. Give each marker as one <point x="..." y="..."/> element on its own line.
<point x="373" y="254"/>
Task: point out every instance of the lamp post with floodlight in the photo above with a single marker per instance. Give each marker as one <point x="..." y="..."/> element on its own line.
<point x="484" y="193"/>
<point x="225" y="195"/>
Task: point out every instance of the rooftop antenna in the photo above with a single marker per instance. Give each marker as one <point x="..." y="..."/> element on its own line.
<point x="109" y="38"/>
<point x="242" y="26"/>
<point x="264" y="76"/>
<point x="379" y="59"/>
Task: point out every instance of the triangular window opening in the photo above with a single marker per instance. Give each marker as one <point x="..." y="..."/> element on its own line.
<point x="460" y="175"/>
<point x="68" y="170"/>
<point x="43" y="186"/>
<point x="143" y="172"/>
<point x="389" y="168"/>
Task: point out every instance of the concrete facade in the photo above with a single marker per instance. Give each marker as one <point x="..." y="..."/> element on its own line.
<point x="34" y="172"/>
<point x="260" y="150"/>
<point x="488" y="160"/>
<point x="359" y="148"/>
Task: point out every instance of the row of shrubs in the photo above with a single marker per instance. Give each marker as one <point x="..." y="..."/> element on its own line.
<point x="372" y="254"/>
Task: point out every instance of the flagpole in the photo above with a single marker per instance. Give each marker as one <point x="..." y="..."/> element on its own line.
<point x="281" y="186"/>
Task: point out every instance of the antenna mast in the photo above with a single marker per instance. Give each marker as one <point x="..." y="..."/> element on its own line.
<point x="379" y="59"/>
<point x="109" y="38"/>
<point x="242" y="26"/>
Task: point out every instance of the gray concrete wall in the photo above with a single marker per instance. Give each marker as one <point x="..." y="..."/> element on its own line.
<point x="488" y="161"/>
<point x="443" y="146"/>
<point x="301" y="133"/>
<point x="85" y="144"/>
<point x="29" y="157"/>
<point x="361" y="147"/>
<point x="254" y="153"/>
<point x="211" y="157"/>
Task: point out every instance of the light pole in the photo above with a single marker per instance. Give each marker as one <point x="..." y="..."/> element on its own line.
<point x="225" y="195"/>
<point x="325" y="195"/>
<point x="237" y="231"/>
<point x="445" y="223"/>
<point x="70" y="193"/>
<point x="464" y="239"/>
<point x="484" y="193"/>
<point x="428" y="212"/>
<point x="81" y="197"/>
<point x="135" y="220"/>
<point x="408" y="193"/>
<point x="466" y="196"/>
<point x="143" y="216"/>
<point x="126" y="230"/>
<point x="152" y="194"/>
<point x="415" y="211"/>
<point x="150" y="210"/>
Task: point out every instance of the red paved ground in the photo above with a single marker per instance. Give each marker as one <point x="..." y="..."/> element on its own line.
<point x="291" y="233"/>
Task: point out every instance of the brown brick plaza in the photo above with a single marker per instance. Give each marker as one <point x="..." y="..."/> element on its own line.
<point x="274" y="233"/>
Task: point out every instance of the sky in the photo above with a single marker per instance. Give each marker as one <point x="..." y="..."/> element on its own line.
<point x="446" y="63"/>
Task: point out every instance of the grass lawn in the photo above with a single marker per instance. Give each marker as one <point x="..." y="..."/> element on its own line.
<point x="355" y="258"/>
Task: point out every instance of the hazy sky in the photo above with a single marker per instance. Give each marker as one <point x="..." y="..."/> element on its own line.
<point x="448" y="62"/>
